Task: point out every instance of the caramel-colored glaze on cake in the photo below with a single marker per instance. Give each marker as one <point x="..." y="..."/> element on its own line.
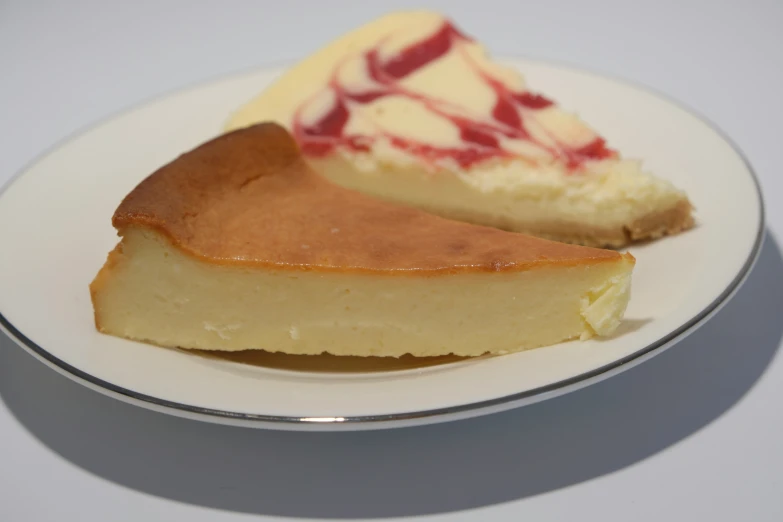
<point x="248" y="198"/>
<point x="239" y="245"/>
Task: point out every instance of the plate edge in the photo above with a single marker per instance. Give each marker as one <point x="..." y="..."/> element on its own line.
<point x="388" y="420"/>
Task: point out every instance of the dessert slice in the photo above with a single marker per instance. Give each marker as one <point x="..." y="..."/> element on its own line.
<point x="239" y="245"/>
<point x="410" y="109"/>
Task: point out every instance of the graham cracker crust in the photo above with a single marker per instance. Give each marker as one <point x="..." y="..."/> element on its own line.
<point x="670" y="221"/>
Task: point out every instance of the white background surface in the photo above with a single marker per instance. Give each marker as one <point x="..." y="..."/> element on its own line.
<point x="693" y="434"/>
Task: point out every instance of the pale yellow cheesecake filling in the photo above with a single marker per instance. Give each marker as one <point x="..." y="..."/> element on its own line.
<point x="429" y="104"/>
<point x="545" y="200"/>
<point x="152" y="291"/>
<point x="409" y="109"/>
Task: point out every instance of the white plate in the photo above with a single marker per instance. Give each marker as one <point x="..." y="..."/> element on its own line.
<point x="55" y="233"/>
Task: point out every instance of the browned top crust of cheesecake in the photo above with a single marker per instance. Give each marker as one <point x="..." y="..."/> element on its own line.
<point x="248" y="198"/>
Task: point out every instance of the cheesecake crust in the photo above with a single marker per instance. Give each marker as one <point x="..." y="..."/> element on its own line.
<point x="673" y="220"/>
<point x="248" y="198"/>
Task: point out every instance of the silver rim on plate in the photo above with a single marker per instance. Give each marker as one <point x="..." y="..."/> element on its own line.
<point x="453" y="412"/>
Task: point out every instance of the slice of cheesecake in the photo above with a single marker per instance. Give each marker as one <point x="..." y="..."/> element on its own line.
<point x="239" y="245"/>
<point x="410" y="109"/>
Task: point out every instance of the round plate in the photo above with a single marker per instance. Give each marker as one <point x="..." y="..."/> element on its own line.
<point x="55" y="232"/>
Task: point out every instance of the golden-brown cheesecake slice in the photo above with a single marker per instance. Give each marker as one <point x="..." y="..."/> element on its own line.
<point x="239" y="245"/>
<point x="410" y="109"/>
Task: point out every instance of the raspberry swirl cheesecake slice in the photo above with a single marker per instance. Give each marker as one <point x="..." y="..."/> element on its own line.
<point x="410" y="109"/>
